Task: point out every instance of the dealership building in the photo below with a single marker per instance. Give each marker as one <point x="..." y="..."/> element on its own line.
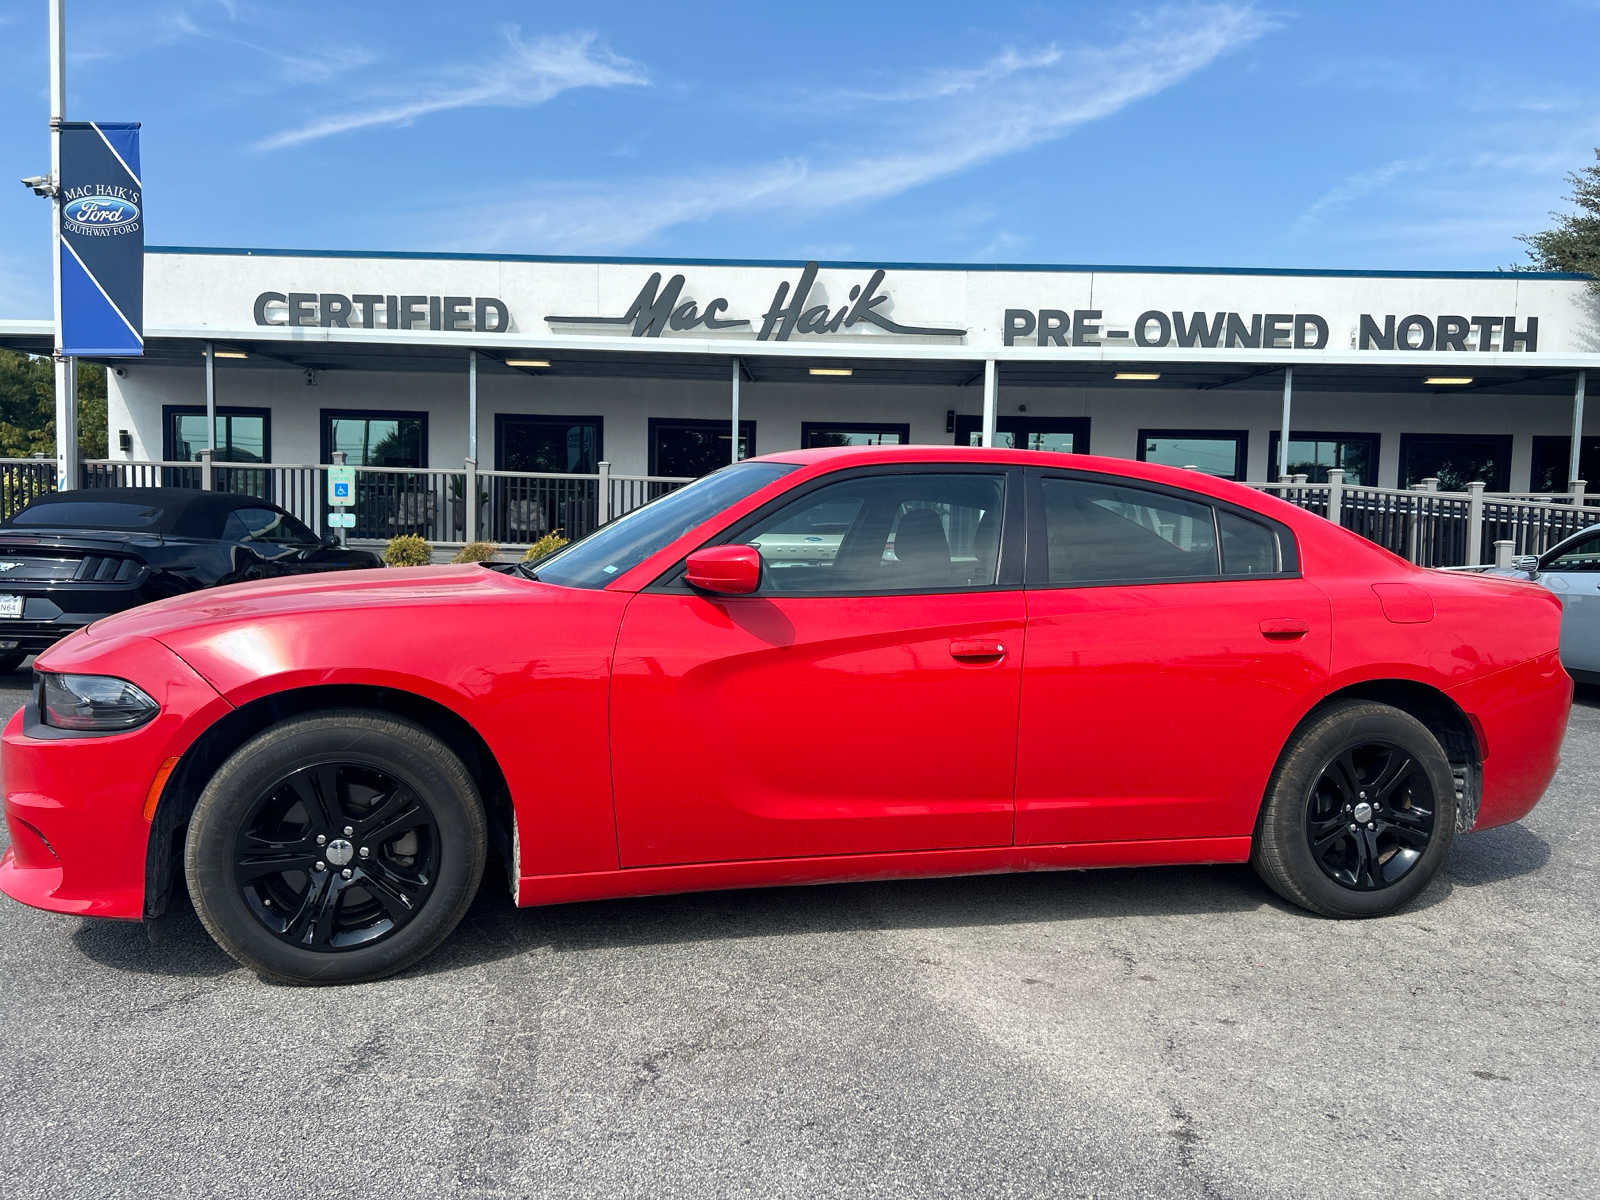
<point x="672" y="368"/>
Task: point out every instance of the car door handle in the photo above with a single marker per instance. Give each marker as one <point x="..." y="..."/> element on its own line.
<point x="1285" y="627"/>
<point x="976" y="650"/>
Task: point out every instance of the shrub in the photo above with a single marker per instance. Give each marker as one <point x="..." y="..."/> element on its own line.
<point x="476" y="552"/>
<point x="407" y="550"/>
<point x="545" y="546"/>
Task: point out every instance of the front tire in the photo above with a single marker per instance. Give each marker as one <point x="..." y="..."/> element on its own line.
<point x="1360" y="812"/>
<point x="336" y="847"/>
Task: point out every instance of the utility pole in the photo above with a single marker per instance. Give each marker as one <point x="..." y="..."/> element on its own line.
<point x="66" y="368"/>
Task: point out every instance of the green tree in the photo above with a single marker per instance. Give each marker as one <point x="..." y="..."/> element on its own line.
<point x="28" y="407"/>
<point x="1574" y="243"/>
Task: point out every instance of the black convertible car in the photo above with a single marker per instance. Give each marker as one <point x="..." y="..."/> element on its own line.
<point x="69" y="558"/>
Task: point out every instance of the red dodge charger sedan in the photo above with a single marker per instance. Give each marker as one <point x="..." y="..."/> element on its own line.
<point x="820" y="665"/>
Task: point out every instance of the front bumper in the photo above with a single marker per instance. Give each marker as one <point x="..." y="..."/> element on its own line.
<point x="76" y="805"/>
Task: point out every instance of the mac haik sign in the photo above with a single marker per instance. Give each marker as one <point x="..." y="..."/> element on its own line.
<point x="102" y="240"/>
<point x="659" y="309"/>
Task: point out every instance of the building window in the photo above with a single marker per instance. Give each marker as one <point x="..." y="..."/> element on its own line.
<point x="1065" y="435"/>
<point x="690" y="449"/>
<point x="1218" y="452"/>
<point x="1456" y="459"/>
<point x="243" y="435"/>
<point x="852" y="433"/>
<point x="1314" y="454"/>
<point x="373" y="438"/>
<point x="1550" y="461"/>
<point x="563" y="445"/>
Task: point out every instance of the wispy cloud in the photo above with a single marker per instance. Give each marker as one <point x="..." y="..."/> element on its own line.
<point x="1459" y="200"/>
<point x="298" y="66"/>
<point x="952" y="81"/>
<point x="527" y="72"/>
<point x="936" y="124"/>
<point x="262" y="33"/>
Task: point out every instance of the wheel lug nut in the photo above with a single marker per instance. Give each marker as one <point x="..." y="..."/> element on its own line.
<point x="322" y="839"/>
<point x="365" y="852"/>
<point x="322" y="866"/>
<point x="1353" y="828"/>
<point x="349" y="829"/>
<point x="1363" y="795"/>
<point x="345" y="872"/>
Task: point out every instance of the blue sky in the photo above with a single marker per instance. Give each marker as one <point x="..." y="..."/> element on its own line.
<point x="1424" y="135"/>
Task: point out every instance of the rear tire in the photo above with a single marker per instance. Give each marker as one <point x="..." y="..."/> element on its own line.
<point x="1360" y="812"/>
<point x="336" y="847"/>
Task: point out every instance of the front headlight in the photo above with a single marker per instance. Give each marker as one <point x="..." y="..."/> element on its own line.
<point x="95" y="702"/>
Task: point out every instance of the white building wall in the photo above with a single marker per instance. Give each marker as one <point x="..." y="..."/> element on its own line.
<point x="137" y="397"/>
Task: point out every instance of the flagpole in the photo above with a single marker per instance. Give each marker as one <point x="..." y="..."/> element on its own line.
<point x="66" y="368"/>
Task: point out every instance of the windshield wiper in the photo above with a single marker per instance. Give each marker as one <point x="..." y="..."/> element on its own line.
<point x="527" y="572"/>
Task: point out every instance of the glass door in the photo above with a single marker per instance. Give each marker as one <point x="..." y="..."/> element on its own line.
<point x="1064" y="435"/>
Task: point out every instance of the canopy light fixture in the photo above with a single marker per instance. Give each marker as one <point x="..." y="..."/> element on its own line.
<point x="229" y="354"/>
<point x="527" y="362"/>
<point x="1137" y="375"/>
<point x="833" y="370"/>
<point x="1448" y="380"/>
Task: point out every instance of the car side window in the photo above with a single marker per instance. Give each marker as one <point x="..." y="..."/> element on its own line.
<point x="266" y="525"/>
<point x="924" y="532"/>
<point x="1580" y="556"/>
<point x="1099" y="532"/>
<point x="1248" y="547"/>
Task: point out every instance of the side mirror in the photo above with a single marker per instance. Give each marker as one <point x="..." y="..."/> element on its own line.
<point x="1526" y="562"/>
<point x="330" y="538"/>
<point x="724" y="570"/>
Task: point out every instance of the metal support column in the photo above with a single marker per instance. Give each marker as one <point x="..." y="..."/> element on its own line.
<point x="991" y="389"/>
<point x="1577" y="428"/>
<point x="211" y="399"/>
<point x="734" y="403"/>
<point x="469" y="490"/>
<point x="66" y="369"/>
<point x="1283" y="435"/>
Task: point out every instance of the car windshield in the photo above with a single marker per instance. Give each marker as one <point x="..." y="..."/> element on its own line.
<point x="596" y="560"/>
<point x="90" y="514"/>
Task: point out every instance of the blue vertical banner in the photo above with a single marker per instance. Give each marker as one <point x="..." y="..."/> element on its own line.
<point x="102" y="240"/>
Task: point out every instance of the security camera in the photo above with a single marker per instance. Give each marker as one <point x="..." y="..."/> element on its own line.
<point x="40" y="185"/>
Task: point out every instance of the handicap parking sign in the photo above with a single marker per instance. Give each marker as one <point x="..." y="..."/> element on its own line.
<point x="341" y="486"/>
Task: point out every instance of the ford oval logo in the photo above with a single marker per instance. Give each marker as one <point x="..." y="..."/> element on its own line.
<point x="101" y="211"/>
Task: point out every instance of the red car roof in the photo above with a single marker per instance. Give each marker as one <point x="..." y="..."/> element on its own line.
<point x="853" y="456"/>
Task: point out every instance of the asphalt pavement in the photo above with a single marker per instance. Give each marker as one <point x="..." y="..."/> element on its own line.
<point x="1172" y="1032"/>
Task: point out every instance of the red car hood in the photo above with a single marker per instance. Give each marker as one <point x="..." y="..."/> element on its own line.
<point x="332" y="592"/>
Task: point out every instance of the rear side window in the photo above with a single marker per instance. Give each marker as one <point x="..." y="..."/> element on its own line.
<point x="1248" y="547"/>
<point x="1099" y="532"/>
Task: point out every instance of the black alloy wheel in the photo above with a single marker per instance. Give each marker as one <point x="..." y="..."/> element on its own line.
<point x="338" y="846"/>
<point x="337" y="855"/>
<point x="1370" y="816"/>
<point x="1359" y="812"/>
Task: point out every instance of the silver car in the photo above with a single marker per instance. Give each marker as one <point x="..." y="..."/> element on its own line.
<point x="1571" y="569"/>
